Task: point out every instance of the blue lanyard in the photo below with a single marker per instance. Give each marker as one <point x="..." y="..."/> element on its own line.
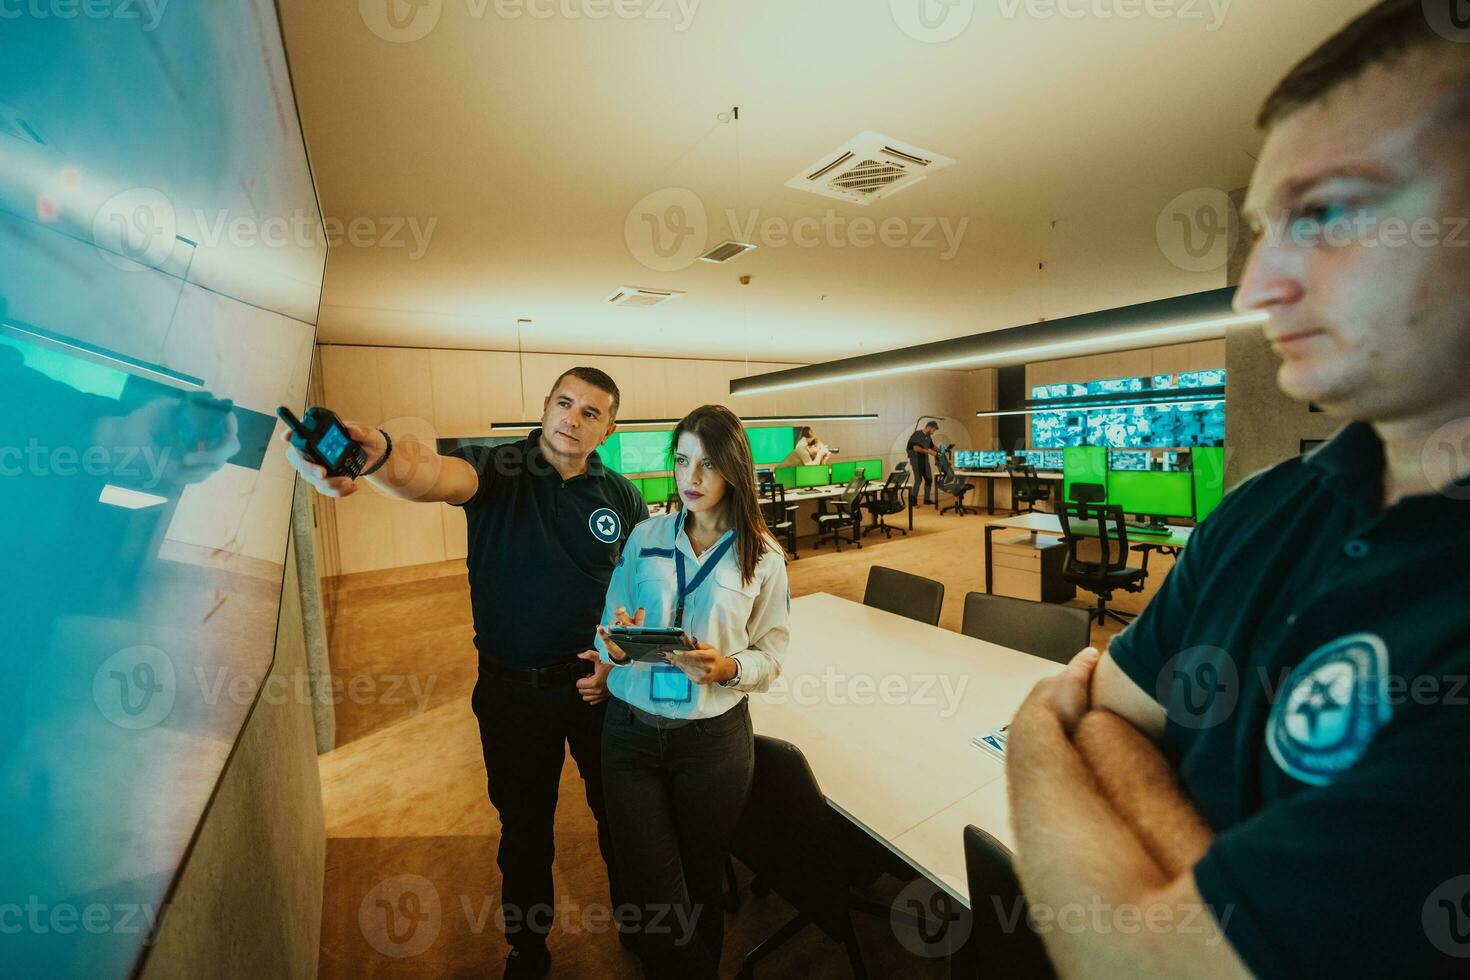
<point x="705" y="569"/>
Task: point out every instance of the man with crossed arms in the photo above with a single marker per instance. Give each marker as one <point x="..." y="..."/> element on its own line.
<point x="1268" y="765"/>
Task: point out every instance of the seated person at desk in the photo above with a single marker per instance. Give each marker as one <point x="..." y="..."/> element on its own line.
<point x="810" y="451"/>
<point x="1265" y="768"/>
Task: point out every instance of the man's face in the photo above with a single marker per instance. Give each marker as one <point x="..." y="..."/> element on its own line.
<point x="1363" y="202"/>
<point x="577" y="417"/>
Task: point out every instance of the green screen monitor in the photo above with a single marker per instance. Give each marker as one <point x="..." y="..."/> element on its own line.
<point x="1209" y="479"/>
<point x="1152" y="493"/>
<point x="1083" y="464"/>
<point x="812" y="476"/>
<point x="611" y="452"/>
<point x="872" y="469"/>
<point x="786" y="476"/>
<point x="645" y="452"/>
<point x="771" y="445"/>
<point x="844" y="472"/>
<point x="656" y="489"/>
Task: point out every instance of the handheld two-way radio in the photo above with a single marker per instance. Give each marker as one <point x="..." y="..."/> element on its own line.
<point x="322" y="438"/>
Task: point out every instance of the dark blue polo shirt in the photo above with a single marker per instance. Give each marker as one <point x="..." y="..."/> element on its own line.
<point x="1312" y="650"/>
<point x="542" y="551"/>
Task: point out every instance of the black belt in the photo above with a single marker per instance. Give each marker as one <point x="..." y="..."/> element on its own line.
<point x="556" y="675"/>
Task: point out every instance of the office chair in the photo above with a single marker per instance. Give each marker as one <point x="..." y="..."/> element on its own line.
<point x="846" y="512"/>
<point x="997" y="947"/>
<point x="1042" y="629"/>
<point x="890" y="500"/>
<point x="902" y="594"/>
<point x="806" y="852"/>
<point x="952" y="485"/>
<point x="1026" y="487"/>
<point x="780" y="516"/>
<point x="1112" y="572"/>
<point x="1088" y="493"/>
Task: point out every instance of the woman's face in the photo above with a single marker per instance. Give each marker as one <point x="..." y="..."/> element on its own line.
<point x="701" y="487"/>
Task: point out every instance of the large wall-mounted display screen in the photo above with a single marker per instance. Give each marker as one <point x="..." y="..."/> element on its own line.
<point x="150" y="323"/>
<point x="1161" y="427"/>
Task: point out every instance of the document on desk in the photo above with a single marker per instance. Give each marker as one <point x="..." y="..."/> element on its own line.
<point x="993" y="742"/>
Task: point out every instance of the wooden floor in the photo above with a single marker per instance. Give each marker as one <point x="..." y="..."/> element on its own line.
<point x="411" y="880"/>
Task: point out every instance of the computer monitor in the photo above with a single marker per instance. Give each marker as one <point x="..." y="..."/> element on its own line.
<point x="1052" y="461"/>
<point x="657" y="489"/>
<point x="992" y="460"/>
<point x="842" y="472"/>
<point x="786" y="476"/>
<point x="1033" y="457"/>
<point x="645" y="452"/>
<point x="771" y="444"/>
<point x="813" y="476"/>
<point x="1209" y="480"/>
<point x="1152" y="493"/>
<point x="1083" y="464"/>
<point x="1134" y="460"/>
<point x="872" y="469"/>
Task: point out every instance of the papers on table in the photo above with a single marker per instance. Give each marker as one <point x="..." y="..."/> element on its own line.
<point x="993" y="742"/>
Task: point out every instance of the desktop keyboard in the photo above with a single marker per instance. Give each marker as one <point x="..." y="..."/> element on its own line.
<point x="1150" y="529"/>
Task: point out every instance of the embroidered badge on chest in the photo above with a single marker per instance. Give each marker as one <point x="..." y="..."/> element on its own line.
<point x="1330" y="709"/>
<point x="605" y="525"/>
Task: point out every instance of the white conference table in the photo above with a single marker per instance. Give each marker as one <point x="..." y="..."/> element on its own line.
<point x="884" y="709"/>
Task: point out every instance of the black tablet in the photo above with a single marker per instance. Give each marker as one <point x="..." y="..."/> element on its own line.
<point x="648" y="643"/>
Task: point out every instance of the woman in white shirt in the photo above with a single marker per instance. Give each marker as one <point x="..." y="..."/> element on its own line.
<point x="678" y="749"/>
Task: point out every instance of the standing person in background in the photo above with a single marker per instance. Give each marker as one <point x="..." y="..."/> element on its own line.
<point x="921" y="447"/>
<point x="547" y="524"/>
<point x="678" y="750"/>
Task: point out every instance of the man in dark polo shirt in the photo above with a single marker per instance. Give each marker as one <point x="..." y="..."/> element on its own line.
<point x="920" y="448"/>
<point x="547" y="522"/>
<point x="1266" y="772"/>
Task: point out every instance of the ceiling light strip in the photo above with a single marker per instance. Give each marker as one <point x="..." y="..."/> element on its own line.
<point x="1177" y="320"/>
<point x="747" y="420"/>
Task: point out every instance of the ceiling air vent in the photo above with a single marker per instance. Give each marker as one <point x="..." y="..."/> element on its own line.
<point x="867" y="168"/>
<point x="725" y="251"/>
<point x="641" y="298"/>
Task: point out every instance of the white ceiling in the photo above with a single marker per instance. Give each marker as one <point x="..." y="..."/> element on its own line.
<point x="529" y="141"/>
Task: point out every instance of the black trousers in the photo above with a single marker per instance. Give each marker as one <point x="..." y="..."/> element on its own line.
<point x="524" y="733"/>
<point x="675" y="792"/>
<point x="922" y="477"/>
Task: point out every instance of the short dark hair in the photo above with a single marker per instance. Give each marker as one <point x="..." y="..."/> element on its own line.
<point x="1381" y="36"/>
<point x="595" y="378"/>
<point x="931" y="424"/>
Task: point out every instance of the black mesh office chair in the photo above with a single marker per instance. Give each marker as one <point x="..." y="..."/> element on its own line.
<point x="1042" y="629"/>
<point x="1026" y="488"/>
<point x="890" y="500"/>
<point x="953" y="485"/>
<point x="1087" y="493"/>
<point x="1111" y="572"/>
<point x="1001" y="944"/>
<point x="805" y="852"/>
<point x="780" y="516"/>
<point x="902" y="594"/>
<point x="833" y="516"/>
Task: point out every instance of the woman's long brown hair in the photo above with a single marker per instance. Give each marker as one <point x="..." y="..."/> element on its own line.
<point x="723" y="437"/>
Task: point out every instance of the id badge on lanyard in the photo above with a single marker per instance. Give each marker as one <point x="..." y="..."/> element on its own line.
<point x="666" y="682"/>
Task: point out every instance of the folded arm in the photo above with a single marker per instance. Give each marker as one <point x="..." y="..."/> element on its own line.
<point x="1106" y="839"/>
